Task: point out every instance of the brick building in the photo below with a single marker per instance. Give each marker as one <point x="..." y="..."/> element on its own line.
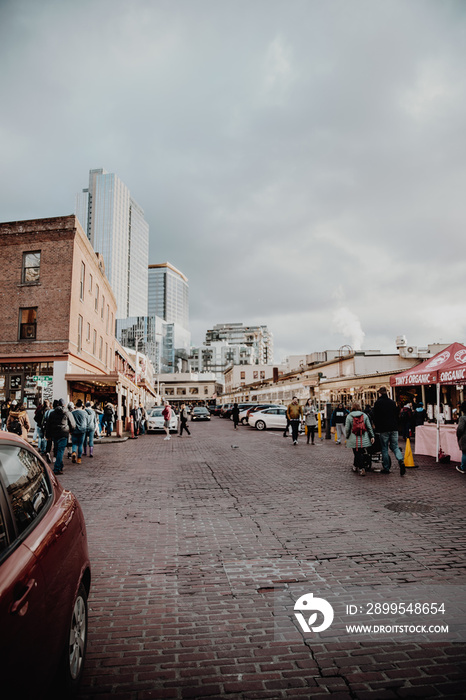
<point x="57" y="317"/>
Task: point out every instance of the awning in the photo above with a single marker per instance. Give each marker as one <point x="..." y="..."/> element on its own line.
<point x="446" y="367"/>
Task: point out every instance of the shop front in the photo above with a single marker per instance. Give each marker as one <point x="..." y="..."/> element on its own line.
<point x="27" y="383"/>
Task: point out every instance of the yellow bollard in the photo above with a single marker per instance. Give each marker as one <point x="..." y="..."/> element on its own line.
<point x="319" y="425"/>
<point x="409" y="460"/>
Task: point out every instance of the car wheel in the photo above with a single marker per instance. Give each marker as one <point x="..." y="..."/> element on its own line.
<point x="260" y="425"/>
<point x="244" y="421"/>
<point x="72" y="663"/>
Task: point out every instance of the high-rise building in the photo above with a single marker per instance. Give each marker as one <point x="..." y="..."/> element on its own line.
<point x="259" y="338"/>
<point x="116" y="228"/>
<point x="168" y="294"/>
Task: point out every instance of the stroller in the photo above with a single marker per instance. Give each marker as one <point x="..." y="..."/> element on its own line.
<point x="373" y="456"/>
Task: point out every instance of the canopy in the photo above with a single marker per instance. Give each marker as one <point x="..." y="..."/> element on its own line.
<point x="446" y="367"/>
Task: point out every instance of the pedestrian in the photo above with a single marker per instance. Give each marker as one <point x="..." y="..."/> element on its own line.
<point x="420" y="415"/>
<point x="5" y="410"/>
<point x="48" y="441"/>
<point x="167" y="414"/>
<point x="294" y="413"/>
<point x="60" y="423"/>
<point x="99" y="414"/>
<point x="310" y="419"/>
<point x="385" y="416"/>
<point x="90" y="430"/>
<point x="109" y="417"/>
<point x="18" y="421"/>
<point x="143" y="419"/>
<point x="184" y="420"/>
<point x="82" y="420"/>
<point x="359" y="436"/>
<point x="406" y="417"/>
<point x="461" y="435"/>
<point x="235" y="415"/>
<point x="135" y="415"/>
<point x="39" y="417"/>
<point x="337" y="421"/>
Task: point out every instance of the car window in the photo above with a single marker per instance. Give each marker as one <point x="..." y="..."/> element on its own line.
<point x="3" y="538"/>
<point x="26" y="483"/>
<point x="281" y="411"/>
<point x="156" y="413"/>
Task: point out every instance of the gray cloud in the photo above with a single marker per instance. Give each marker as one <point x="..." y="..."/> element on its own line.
<point x="294" y="159"/>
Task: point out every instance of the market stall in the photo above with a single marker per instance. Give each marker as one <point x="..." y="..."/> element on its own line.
<point x="447" y="367"/>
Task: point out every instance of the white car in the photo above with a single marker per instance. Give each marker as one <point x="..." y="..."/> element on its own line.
<point x="155" y="420"/>
<point x="272" y="417"/>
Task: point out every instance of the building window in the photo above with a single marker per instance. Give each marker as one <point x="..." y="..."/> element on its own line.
<point x="31" y="268"/>
<point x="106" y="322"/>
<point x="90" y="283"/>
<point x="94" y="342"/>
<point x="102" y="308"/>
<point x="96" y="300"/>
<point x="88" y="334"/>
<point x="262" y="374"/>
<point x="81" y="281"/>
<point x="243" y="375"/>
<point x="106" y="354"/>
<point x="28" y="323"/>
<point x="80" y="333"/>
<point x="101" y="345"/>
<point x="256" y="375"/>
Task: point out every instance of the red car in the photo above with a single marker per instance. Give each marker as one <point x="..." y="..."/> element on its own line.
<point x="45" y="577"/>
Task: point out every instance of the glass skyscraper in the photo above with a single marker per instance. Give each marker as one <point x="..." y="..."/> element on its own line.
<point x="116" y="228"/>
<point x="168" y="294"/>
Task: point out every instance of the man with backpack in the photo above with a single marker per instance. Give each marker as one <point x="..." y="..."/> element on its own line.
<point x="385" y="417"/>
<point x="60" y="423"/>
<point x="359" y="436"/>
<point x="167" y="414"/>
<point x="109" y="417"/>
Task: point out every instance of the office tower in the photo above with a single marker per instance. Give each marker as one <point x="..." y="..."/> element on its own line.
<point x="116" y="228"/>
<point x="168" y="294"/>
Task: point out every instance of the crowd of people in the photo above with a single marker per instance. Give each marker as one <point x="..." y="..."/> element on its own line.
<point x="72" y="426"/>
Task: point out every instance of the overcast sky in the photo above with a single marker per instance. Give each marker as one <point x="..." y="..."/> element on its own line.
<point x="302" y="162"/>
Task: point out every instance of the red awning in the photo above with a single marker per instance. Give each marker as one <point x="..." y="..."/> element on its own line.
<point x="446" y="367"/>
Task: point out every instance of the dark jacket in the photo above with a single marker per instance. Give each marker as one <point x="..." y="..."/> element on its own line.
<point x="338" y="416"/>
<point x="60" y="423"/>
<point x="385" y="415"/>
<point x="461" y="433"/>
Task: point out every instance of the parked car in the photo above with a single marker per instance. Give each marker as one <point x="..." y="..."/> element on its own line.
<point x="214" y="410"/>
<point x="45" y="577"/>
<point x="155" y="420"/>
<point x="242" y="407"/>
<point x="272" y="417"/>
<point x="200" y="413"/>
<point x="244" y="416"/>
<point x="224" y="409"/>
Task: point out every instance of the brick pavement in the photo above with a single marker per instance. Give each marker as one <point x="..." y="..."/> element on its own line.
<point x="190" y="541"/>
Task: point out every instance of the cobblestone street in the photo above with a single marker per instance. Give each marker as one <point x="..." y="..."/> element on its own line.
<point x="190" y="540"/>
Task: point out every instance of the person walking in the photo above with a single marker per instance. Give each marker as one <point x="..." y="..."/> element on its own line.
<point x="99" y="415"/>
<point x="461" y="436"/>
<point x="6" y="405"/>
<point x="18" y="421"/>
<point x="406" y="417"/>
<point x="60" y="423"/>
<point x="167" y="414"/>
<point x="143" y="423"/>
<point x="337" y="421"/>
<point x="310" y="419"/>
<point x="48" y="440"/>
<point x="235" y="415"/>
<point x="82" y="420"/>
<point x="359" y="436"/>
<point x="90" y="430"/>
<point x="109" y="417"/>
<point x="39" y="417"/>
<point x="294" y="413"/>
<point x="385" y="417"/>
<point x="184" y="420"/>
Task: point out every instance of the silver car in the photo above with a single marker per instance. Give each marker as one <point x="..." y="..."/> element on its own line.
<point x="155" y="420"/>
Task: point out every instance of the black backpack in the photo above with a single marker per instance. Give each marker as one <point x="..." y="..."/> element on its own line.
<point x="15" y="427"/>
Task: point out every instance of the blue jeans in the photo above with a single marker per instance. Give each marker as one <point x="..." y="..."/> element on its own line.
<point x="109" y="427"/>
<point x="89" y="438"/>
<point x="59" y="446"/>
<point x="389" y="440"/>
<point x="42" y="442"/>
<point x="463" y="462"/>
<point x="77" y="442"/>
